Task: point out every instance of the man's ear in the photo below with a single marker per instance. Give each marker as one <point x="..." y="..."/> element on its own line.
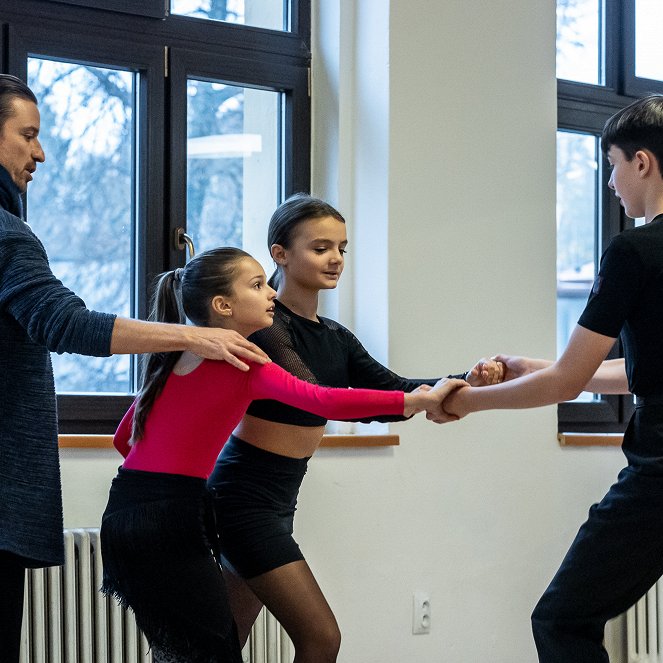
<point x="221" y="306"/>
<point x="279" y="254"/>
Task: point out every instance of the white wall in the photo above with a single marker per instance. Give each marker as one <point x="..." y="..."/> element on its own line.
<point x="434" y="133"/>
<point x="445" y="169"/>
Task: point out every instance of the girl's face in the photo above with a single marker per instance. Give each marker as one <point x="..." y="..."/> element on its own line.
<point x="251" y="305"/>
<point x="316" y="255"/>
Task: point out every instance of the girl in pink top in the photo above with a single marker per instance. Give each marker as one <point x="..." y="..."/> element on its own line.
<point x="158" y="536"/>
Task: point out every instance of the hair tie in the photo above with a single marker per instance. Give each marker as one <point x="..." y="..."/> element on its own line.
<point x="177" y="274"/>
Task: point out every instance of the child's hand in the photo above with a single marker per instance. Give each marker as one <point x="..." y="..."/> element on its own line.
<point x="485" y="372"/>
<point x="443" y="388"/>
<point x="451" y="408"/>
<point x="516" y="367"/>
<point x="429" y="398"/>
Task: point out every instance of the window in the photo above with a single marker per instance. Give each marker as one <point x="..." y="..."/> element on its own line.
<point x="153" y="126"/>
<point x="82" y="209"/>
<point x="648" y="17"/>
<point x="263" y="14"/>
<point x="577" y="189"/>
<point x="606" y="57"/>
<point x="580" y="41"/>
<point x="232" y="164"/>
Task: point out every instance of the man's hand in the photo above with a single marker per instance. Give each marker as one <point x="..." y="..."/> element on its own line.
<point x="225" y="345"/>
<point x="137" y="336"/>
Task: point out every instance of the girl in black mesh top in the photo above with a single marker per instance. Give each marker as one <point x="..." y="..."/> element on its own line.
<point x="259" y="472"/>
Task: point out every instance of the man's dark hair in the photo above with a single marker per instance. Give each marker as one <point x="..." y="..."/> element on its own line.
<point x="636" y="127"/>
<point x="10" y="88"/>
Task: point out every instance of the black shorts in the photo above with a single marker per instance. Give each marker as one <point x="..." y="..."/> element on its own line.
<point x="255" y="500"/>
<point x="157" y="538"/>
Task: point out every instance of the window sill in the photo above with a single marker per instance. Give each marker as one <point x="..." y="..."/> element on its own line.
<point x="106" y="441"/>
<point x="590" y="439"/>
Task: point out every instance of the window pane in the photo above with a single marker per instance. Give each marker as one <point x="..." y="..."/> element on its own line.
<point x="270" y="14"/>
<point x="579" y="41"/>
<point x="80" y="204"/>
<point x="577" y="217"/>
<point x="232" y="165"/>
<point x="648" y="22"/>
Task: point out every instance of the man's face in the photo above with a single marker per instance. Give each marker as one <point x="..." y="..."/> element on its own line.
<point x="20" y="149"/>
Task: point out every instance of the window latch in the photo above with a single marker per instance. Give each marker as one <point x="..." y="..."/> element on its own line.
<point x="182" y="241"/>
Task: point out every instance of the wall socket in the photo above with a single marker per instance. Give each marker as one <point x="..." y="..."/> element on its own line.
<point x="420" y="613"/>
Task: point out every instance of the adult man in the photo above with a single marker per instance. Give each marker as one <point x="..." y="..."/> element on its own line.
<point x="38" y="314"/>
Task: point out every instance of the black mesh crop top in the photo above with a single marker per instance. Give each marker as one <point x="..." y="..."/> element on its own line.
<point x="323" y="353"/>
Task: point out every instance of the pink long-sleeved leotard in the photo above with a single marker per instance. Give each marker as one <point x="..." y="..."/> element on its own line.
<point x="195" y="413"/>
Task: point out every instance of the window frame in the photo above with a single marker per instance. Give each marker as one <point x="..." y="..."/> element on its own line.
<point x="153" y="8"/>
<point x="243" y="55"/>
<point x="585" y="108"/>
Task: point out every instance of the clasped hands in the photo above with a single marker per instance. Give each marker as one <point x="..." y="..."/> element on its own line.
<point x="444" y="405"/>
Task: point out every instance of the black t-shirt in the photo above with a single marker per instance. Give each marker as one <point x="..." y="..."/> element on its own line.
<point x="324" y="353"/>
<point x="627" y="298"/>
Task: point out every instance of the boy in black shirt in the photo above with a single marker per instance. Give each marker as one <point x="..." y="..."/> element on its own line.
<point x="618" y="553"/>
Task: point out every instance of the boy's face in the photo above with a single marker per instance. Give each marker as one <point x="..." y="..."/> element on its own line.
<point x="626" y="181"/>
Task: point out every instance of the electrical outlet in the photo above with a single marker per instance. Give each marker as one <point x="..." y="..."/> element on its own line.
<point x="420" y="613"/>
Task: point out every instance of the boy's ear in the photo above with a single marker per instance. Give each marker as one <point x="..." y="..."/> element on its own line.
<point x="646" y="161"/>
<point x="221" y="306"/>
<point x="278" y="254"/>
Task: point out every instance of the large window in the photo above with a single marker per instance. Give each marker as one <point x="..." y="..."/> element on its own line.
<point x="232" y="164"/>
<point x="81" y="204"/>
<point x="607" y="56"/>
<point x="156" y="125"/>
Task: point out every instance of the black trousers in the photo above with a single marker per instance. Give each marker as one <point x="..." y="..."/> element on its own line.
<point x="615" y="558"/>
<point x="12" y="588"/>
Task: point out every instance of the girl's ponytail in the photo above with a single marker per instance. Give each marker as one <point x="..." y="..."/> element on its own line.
<point x="166" y="307"/>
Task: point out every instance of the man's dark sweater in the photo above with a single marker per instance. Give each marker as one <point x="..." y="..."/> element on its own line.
<point x="37" y="314"/>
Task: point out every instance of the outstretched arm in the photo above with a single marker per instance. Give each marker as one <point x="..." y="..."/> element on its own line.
<point x="272" y="381"/>
<point x="561" y="381"/>
<point x="54" y="316"/>
<point x="136" y="336"/>
<point x="610" y="377"/>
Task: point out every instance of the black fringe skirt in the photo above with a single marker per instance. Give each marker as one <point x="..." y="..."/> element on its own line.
<point x="159" y="549"/>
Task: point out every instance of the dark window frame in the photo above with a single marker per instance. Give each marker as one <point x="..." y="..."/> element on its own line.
<point x="241" y="55"/>
<point x="153" y="8"/>
<point x="585" y="108"/>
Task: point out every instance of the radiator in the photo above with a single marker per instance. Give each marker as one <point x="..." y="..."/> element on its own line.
<point x="67" y="620"/>
<point x="644" y="627"/>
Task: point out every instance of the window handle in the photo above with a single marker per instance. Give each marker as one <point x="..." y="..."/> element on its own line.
<point x="181" y="241"/>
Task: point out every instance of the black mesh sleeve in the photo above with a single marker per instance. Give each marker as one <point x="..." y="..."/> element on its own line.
<point x="368" y="373"/>
<point x="277" y="343"/>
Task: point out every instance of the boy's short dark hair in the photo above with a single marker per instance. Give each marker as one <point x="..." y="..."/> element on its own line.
<point x="636" y="127"/>
<point x="10" y="88"/>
